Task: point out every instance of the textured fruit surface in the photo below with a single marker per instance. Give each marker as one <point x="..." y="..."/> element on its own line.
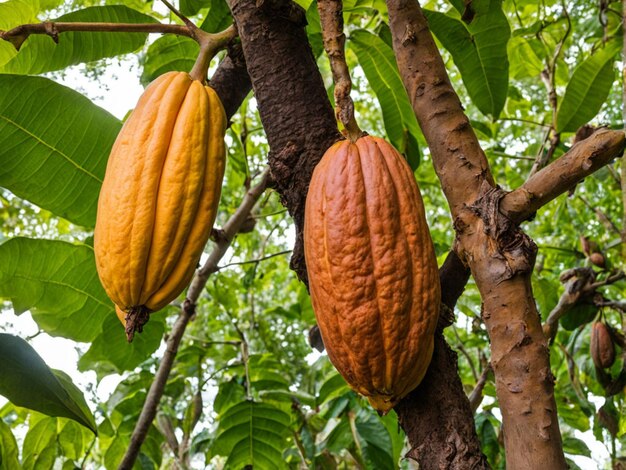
<point x="601" y="345"/>
<point x="160" y="193"/>
<point x="372" y="269"/>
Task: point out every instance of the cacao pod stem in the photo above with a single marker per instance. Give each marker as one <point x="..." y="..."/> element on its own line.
<point x="136" y="318"/>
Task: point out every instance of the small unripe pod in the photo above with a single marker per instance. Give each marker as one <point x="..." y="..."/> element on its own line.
<point x="602" y="348"/>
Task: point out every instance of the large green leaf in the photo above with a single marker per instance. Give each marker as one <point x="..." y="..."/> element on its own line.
<point x="479" y="50"/>
<point x="40" y="54"/>
<point x="169" y="53"/>
<point x="54" y="145"/>
<point x="588" y="89"/>
<point x="27" y="381"/>
<point x="58" y="283"/>
<point x="110" y="352"/>
<point x="252" y="434"/>
<point x="9" y="453"/>
<point x="381" y="70"/>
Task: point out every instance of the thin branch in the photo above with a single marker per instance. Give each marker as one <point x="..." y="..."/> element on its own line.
<point x="155" y="393"/>
<point x="608" y="223"/>
<point x="476" y="397"/>
<point x="581" y="160"/>
<point x="331" y="17"/>
<point x="257" y="261"/>
<point x="19" y="34"/>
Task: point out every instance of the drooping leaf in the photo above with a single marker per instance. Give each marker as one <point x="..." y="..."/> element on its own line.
<point x="40" y="54"/>
<point x="169" y="53"/>
<point x="381" y="70"/>
<point x="54" y="145"/>
<point x="57" y="281"/>
<point x="110" y="352"/>
<point x="588" y="89"/>
<point x="479" y="50"/>
<point x="27" y="381"/>
<point x="253" y="434"/>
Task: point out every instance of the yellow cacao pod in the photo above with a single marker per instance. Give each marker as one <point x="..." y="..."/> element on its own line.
<point x="372" y="269"/>
<point x="160" y="195"/>
<point x="601" y="345"/>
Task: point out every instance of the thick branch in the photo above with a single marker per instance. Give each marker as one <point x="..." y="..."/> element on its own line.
<point x="581" y="160"/>
<point x="294" y="108"/>
<point x="155" y="393"/>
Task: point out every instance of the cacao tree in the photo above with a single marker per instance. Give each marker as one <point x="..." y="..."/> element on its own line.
<point x="510" y="115"/>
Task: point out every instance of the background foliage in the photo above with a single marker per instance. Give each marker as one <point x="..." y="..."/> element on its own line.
<point x="246" y="387"/>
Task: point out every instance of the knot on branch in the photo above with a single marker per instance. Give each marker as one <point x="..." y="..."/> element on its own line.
<point x="509" y="242"/>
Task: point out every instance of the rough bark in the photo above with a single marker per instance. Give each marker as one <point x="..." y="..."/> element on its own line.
<point x="499" y="255"/>
<point x="300" y="126"/>
<point x="436" y="416"/>
<point x="231" y="81"/>
<point x="293" y="105"/>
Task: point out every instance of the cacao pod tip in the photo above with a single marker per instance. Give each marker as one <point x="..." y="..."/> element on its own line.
<point x="136" y="318"/>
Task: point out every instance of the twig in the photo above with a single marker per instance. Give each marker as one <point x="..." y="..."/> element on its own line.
<point x="608" y="223"/>
<point x="239" y="263"/>
<point x="476" y="397"/>
<point x="19" y="34"/>
<point x="331" y="17"/>
<point x="155" y="393"/>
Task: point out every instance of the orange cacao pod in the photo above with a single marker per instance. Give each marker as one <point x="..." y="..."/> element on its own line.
<point x="602" y="348"/>
<point x="372" y="269"/>
<point x="159" y="196"/>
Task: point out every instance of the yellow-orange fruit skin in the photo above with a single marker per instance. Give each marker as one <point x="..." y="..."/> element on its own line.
<point x="372" y="269"/>
<point x="160" y="193"/>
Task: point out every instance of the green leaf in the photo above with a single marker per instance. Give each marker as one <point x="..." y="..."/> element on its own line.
<point x="110" y="352"/>
<point x="9" y="453"/>
<point x="252" y="434"/>
<point x="27" y="381"/>
<point x="73" y="439"/>
<point x="54" y="145"/>
<point x="58" y="282"/>
<point x="479" y="50"/>
<point x="14" y="13"/>
<point x="588" y="89"/>
<point x="39" y="450"/>
<point x="574" y="446"/>
<point x="230" y="393"/>
<point x="40" y="54"/>
<point x="379" y="64"/>
<point x="218" y="17"/>
<point x="524" y="60"/>
<point x="376" y="447"/>
<point x="578" y="315"/>
<point x="192" y="7"/>
<point x="169" y="53"/>
<point x="333" y="386"/>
